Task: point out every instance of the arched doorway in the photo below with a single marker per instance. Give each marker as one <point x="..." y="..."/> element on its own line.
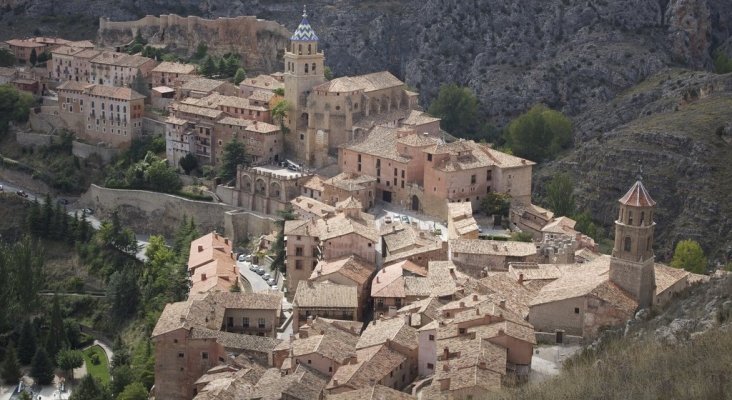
<point x="415" y="203"/>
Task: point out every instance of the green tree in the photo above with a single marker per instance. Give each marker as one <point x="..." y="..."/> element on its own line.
<point x="139" y="84"/>
<point x="208" y="67"/>
<point x="560" y="195"/>
<point x="235" y="288"/>
<point x="201" y="50"/>
<point x="136" y="48"/>
<point x="521" y="236"/>
<point x="7" y="59"/>
<point x="123" y="294"/>
<point x="27" y="343"/>
<point x="10" y="368"/>
<point x="230" y="66"/>
<point x="33" y="219"/>
<point x="133" y="391"/>
<point x="73" y="333"/>
<point x="15" y="106"/>
<point x="189" y="162"/>
<point x="121" y="377"/>
<point x="90" y="389"/>
<point x="139" y="39"/>
<point x="279" y="112"/>
<point x="689" y="256"/>
<point x="458" y="108"/>
<point x="162" y="177"/>
<point x="279" y="92"/>
<point x="56" y="334"/>
<point x="239" y="76"/>
<point x="722" y="63"/>
<point x="68" y="360"/>
<point x="586" y="225"/>
<point x="33" y="57"/>
<point x="496" y="204"/>
<point x="327" y="73"/>
<point x="278" y="247"/>
<point x="539" y="134"/>
<point x="44" y="57"/>
<point x="234" y="155"/>
<point x="42" y="367"/>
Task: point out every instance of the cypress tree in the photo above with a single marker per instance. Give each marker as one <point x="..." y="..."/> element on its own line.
<point x="11" y="368"/>
<point x="56" y="334"/>
<point x="27" y="343"/>
<point x="41" y="367"/>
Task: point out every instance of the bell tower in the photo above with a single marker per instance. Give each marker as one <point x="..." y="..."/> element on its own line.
<point x="632" y="263"/>
<point x="304" y="69"/>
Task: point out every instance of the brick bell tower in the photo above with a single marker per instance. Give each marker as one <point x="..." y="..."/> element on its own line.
<point x="304" y="69"/>
<point x="632" y="263"/>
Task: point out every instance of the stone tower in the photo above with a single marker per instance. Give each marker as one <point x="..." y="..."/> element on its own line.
<point x="631" y="266"/>
<point x="304" y="69"/>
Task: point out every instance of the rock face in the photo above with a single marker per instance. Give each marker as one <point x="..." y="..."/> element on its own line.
<point x="603" y="62"/>
<point x="260" y="43"/>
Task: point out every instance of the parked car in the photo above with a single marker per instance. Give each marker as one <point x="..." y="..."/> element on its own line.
<point x="266" y="276"/>
<point x="242" y="258"/>
<point x="405" y="219"/>
<point x="271" y="282"/>
<point x="63" y="202"/>
<point x="387" y="219"/>
<point x="254" y="267"/>
<point x="274" y="287"/>
<point x="21" y="193"/>
<point x="88" y="211"/>
<point x="259" y="271"/>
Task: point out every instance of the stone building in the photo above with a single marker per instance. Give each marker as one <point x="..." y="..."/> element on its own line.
<point x="309" y="208"/>
<point x="476" y="257"/>
<point x="23" y="48"/>
<point x="170" y="73"/>
<point x="119" y="69"/>
<point x="397" y="285"/>
<point x="460" y="221"/>
<point x="191" y="337"/>
<point x="345" y="185"/>
<point x="324" y="299"/>
<point x="314" y="188"/>
<point x="101" y="114"/>
<point x="266" y="189"/>
<point x="350" y="271"/>
<point x="324" y="114"/>
<point x="198" y="87"/>
<point x="211" y="265"/>
<point x="72" y="64"/>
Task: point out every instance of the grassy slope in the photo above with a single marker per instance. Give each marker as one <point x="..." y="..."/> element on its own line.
<point x="100" y="370"/>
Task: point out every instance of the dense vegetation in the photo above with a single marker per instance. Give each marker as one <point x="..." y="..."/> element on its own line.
<point x="14" y="106"/>
<point x="458" y="108"/>
<point x="140" y="167"/>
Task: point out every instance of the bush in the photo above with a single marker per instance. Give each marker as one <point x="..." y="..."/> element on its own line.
<point x="539" y="134"/>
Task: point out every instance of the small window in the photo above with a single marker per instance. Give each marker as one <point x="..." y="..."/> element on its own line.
<point x="432" y="338"/>
<point x="472" y="179"/>
<point x="181" y="355"/>
<point x="204" y="356"/>
<point x="430" y="366"/>
<point x="627" y="245"/>
<point x="429" y="157"/>
<point x="576" y="310"/>
<point x="310" y="361"/>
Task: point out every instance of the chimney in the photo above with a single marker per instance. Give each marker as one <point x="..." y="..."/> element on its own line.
<point x="200" y="248"/>
<point x="521" y="279"/>
<point x="335" y="382"/>
<point x="216" y="235"/>
<point x="203" y="277"/>
<point x="501" y="332"/>
<point x="475" y="297"/>
<point x="407" y="319"/>
<point x="482" y="365"/>
<point x="226" y="240"/>
<point x="495" y="247"/>
<point x="310" y="319"/>
<point x="502" y="303"/>
<point x="477" y="311"/>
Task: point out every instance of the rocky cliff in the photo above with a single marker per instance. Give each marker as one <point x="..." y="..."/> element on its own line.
<point x="582" y="57"/>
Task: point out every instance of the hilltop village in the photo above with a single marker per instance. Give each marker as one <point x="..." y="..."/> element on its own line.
<point x="391" y="288"/>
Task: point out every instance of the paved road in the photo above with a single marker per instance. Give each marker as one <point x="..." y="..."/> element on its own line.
<point x="255" y="281"/>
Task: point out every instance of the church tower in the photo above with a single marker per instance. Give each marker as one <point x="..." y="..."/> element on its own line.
<point x="632" y="263"/>
<point x="304" y="69"/>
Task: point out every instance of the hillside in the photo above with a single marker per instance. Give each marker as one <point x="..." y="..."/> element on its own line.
<point x="681" y="353"/>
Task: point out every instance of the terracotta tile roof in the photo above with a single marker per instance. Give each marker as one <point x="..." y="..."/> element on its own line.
<point x="428" y="307"/>
<point x="302" y="384"/>
<point x="349" y="181"/>
<point x="247" y="301"/>
<point x="121" y="60"/>
<point x="263" y="96"/>
<point x="375" y="392"/>
<point x="419" y="118"/>
<point x="367" y="83"/>
<point x="302" y="227"/>
<point x="534" y="271"/>
<point x="380" y="142"/>
<point x="81" y="44"/>
<point x="325" y="295"/>
<point x="327" y="346"/>
<point x="175" y="68"/>
<point x="442" y="276"/>
<point x="195" y="110"/>
<point x="417" y="286"/>
<point x="402" y="255"/>
<point x="637" y="196"/>
<point x="24" y="43"/>
<point x="351" y="267"/>
<point x="348" y="203"/>
<point x="373" y="364"/>
<point x="346" y="331"/>
<point x="314" y="182"/>
<point x="501" y="286"/>
<point x="668" y="276"/>
<point x="561" y="225"/>
<point x="207" y="248"/>
<point x="236" y="341"/>
<point x="112" y="92"/>
<point x="312" y="206"/>
<point x="202" y="85"/>
<point x="67" y="50"/>
<point x="493" y="247"/>
<point x="418" y="140"/>
<point x="88" y="54"/>
<point x="266" y="82"/>
<point x="518" y="330"/>
<point x="341" y="225"/>
<point x="394" y="329"/>
<point x="249" y="125"/>
<point x="388" y="282"/>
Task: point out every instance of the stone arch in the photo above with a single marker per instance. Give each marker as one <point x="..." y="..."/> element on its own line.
<point x="627" y="243"/>
<point x="246" y="183"/>
<point x="260" y="187"/>
<point x="275" y="189"/>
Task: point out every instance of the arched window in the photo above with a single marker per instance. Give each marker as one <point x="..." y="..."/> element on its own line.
<point x="630" y="217"/>
<point x="299" y="49"/>
<point x="310" y="49"/>
<point x="313" y="67"/>
<point x="648" y="244"/>
<point x="306" y="68"/>
<point x="626" y="244"/>
<point x="643" y="216"/>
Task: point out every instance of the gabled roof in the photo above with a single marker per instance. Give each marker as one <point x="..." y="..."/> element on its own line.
<point x="350" y="267"/>
<point x="304" y="32"/>
<point x="375" y="392"/>
<point x="394" y="329"/>
<point x="368" y="83"/>
<point x="637" y="196"/>
<point x="327" y="346"/>
<point x="325" y="295"/>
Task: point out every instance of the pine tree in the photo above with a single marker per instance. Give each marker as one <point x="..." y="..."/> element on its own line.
<point x="34" y="219"/>
<point x="90" y="389"/>
<point x="33" y="57"/>
<point x="208" y="67"/>
<point x="46" y="216"/>
<point x="41" y="367"/>
<point x="239" y="76"/>
<point x="11" y="368"/>
<point x="57" y="225"/>
<point x="234" y="155"/>
<point x="56" y="334"/>
<point x="27" y="343"/>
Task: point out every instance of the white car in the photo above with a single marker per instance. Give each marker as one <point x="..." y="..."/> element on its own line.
<point x="271" y="282"/>
<point x="274" y="287"/>
<point x="266" y="277"/>
<point x="241" y="258"/>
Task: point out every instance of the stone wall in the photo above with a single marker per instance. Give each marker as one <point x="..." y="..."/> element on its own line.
<point x="238" y="225"/>
<point x="154" y="213"/>
<point x="153" y="127"/>
<point x="83" y="150"/>
<point x="261" y="43"/>
<point x="33" y="139"/>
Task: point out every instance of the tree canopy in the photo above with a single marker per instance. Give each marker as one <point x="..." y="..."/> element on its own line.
<point x="689" y="256"/>
<point x="458" y="108"/>
<point x="15" y="106"/>
<point x="234" y="155"/>
<point x="539" y="134"/>
<point x="42" y="367"/>
<point x="496" y="204"/>
<point x="560" y="195"/>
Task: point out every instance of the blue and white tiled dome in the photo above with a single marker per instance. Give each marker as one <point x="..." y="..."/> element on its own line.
<point x="304" y="32"/>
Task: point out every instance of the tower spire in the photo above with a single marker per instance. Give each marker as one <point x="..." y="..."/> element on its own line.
<point x="640" y="170"/>
<point x="304" y="11"/>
